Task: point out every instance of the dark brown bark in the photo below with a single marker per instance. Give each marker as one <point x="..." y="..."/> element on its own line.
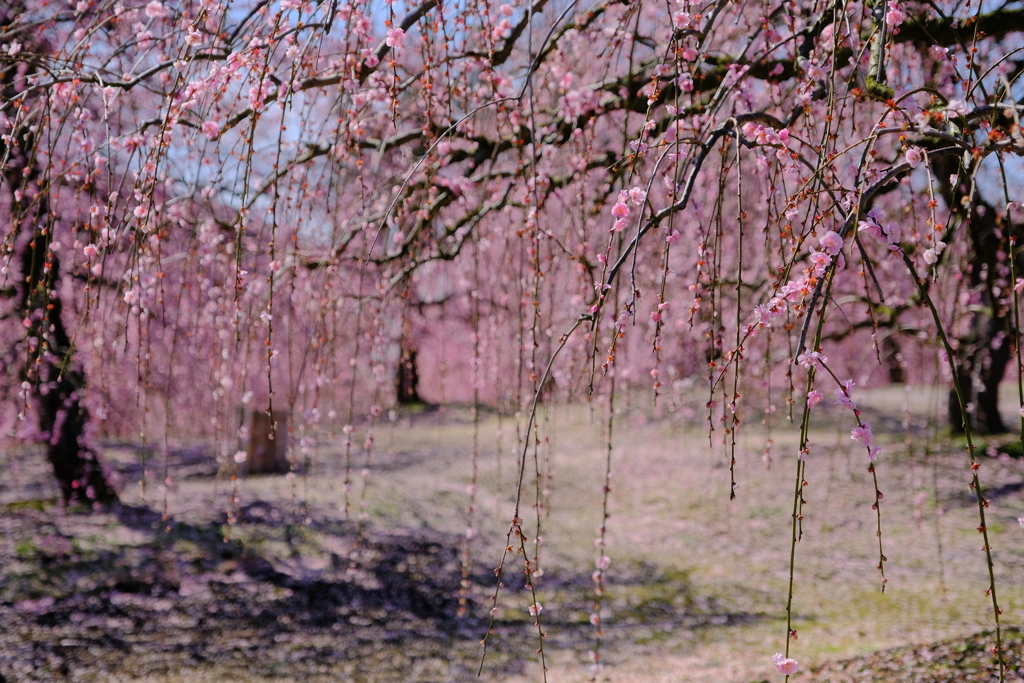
<point x="268" y="443"/>
<point x="55" y="381"/>
<point x="407" y="378"/>
<point x="982" y="360"/>
<point x="893" y="359"/>
<point x="982" y="355"/>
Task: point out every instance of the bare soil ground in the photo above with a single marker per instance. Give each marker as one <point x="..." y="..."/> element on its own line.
<point x="288" y="587"/>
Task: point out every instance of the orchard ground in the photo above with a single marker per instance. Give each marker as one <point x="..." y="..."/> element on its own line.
<point x="696" y="589"/>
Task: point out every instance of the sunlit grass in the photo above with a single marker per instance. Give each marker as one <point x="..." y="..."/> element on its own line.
<point x="670" y="512"/>
<point x="697" y="586"/>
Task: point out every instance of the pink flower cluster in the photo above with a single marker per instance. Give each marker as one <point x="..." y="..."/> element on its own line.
<point x="760" y="134"/>
<point x="620" y="210"/>
<point x="795" y="291"/>
<point x="894" y="17"/>
<point x="888" y="235"/>
<point x="503" y="29"/>
<point x="862" y="433"/>
<point x="765" y="135"/>
<point x="576" y="103"/>
<point x="844" y="394"/>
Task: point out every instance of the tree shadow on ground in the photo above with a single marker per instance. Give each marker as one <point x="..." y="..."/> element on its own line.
<point x="88" y="591"/>
<point x="127" y="593"/>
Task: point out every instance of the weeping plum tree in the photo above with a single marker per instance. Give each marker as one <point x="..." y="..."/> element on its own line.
<point x="48" y="363"/>
<point x="213" y="204"/>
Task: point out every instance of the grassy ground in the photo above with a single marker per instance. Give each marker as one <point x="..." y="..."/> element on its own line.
<point x="697" y="584"/>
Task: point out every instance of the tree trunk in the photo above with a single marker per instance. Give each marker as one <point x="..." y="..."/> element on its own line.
<point x="892" y="356"/>
<point x="983" y="354"/>
<point x="54" y="380"/>
<point x="982" y="359"/>
<point x="407" y="378"/>
<point x="268" y="443"/>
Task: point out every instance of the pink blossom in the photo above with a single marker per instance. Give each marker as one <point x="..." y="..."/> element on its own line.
<point x="241" y="456"/>
<point x="396" y="38"/>
<point x="894" y="17"/>
<point x="503" y="30"/>
<point x="831" y="242"/>
<point x="90" y="250"/>
<point x="689" y="54"/>
<point x="620" y="210"/>
<point x="892" y="232"/>
<point x="535" y="609"/>
<point x="914" y="156"/>
<point x="681" y="20"/>
<point x="211" y="129"/>
<point x="637" y="196"/>
<point x="863" y="435"/>
<point x="871" y="227"/>
<point x="809" y="359"/>
<point x="821" y="261"/>
<point x="958" y="107"/>
<point x="156" y="10"/>
<point x="796" y="290"/>
<point x="784" y="665"/>
<point x="813" y="398"/>
<point x="843" y="398"/>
